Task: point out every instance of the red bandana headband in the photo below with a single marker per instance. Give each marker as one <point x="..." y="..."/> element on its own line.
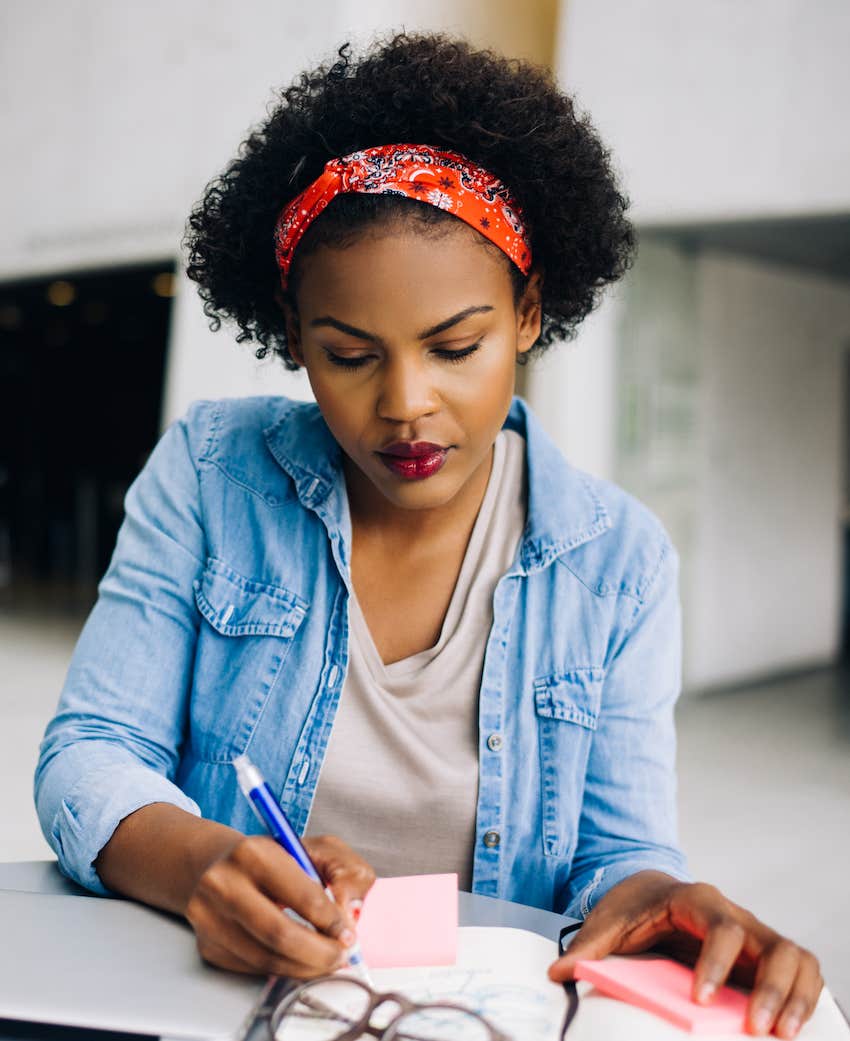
<point x="444" y="179"/>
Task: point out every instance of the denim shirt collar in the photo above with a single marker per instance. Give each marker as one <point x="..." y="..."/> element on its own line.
<point x="563" y="509"/>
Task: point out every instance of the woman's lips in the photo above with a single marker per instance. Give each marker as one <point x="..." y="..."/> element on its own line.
<point x="415" y="467"/>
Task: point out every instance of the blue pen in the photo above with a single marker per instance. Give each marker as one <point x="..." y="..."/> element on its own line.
<point x="270" y="813"/>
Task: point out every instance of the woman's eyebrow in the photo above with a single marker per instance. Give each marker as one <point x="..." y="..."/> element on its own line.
<point x="361" y="334"/>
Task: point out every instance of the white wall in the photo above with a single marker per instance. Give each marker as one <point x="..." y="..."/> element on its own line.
<point x="768" y="553"/>
<point x="572" y="388"/>
<point x="117" y="114"/>
<point x="657" y="420"/>
<point x="202" y="364"/>
<point x="717" y="109"/>
<point x="728" y="419"/>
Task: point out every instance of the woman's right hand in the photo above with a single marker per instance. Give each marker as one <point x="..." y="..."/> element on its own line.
<point x="235" y="907"/>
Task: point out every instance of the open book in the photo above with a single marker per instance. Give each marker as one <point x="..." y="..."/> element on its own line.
<point x="501" y="974"/>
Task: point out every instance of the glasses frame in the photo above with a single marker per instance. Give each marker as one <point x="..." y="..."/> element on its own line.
<point x="263" y="1022"/>
<point x="362" y="1027"/>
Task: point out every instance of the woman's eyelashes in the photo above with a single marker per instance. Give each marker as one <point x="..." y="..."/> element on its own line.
<point x="357" y="363"/>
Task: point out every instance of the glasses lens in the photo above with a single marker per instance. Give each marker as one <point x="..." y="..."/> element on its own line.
<point x="323" y="1011"/>
<point x="439" y="1023"/>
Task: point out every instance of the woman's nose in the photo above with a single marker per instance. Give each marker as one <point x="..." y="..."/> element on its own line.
<point x="406" y="392"/>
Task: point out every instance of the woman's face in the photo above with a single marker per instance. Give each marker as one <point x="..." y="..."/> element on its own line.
<point x="410" y="342"/>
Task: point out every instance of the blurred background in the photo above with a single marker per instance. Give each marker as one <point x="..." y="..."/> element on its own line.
<point x="713" y="383"/>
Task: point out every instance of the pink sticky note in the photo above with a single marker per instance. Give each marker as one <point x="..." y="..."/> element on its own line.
<point x="664" y="987"/>
<point x="409" y="921"/>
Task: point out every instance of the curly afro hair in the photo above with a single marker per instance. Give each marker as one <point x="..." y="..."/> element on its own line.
<point x="506" y="115"/>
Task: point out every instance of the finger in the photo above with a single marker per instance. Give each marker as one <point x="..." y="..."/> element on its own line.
<point x="234" y="949"/>
<point x="223" y="958"/>
<point x="697" y="907"/>
<point x="277" y="875"/>
<point x="775" y="976"/>
<point x="281" y="937"/>
<point x="348" y="875"/>
<point x="803" y="998"/>
<point x="720" y="949"/>
<point x="600" y="935"/>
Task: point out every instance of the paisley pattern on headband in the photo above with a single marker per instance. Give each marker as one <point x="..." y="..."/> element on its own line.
<point x="447" y="180"/>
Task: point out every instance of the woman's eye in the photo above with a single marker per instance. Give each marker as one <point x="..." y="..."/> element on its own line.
<point x="347" y="363"/>
<point x="454" y="356"/>
<point x="356" y="363"/>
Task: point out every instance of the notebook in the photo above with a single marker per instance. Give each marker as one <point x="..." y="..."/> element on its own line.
<point x="501" y="974"/>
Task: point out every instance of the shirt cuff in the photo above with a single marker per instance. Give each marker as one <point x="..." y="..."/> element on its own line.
<point x="93" y="809"/>
<point x="609" y="875"/>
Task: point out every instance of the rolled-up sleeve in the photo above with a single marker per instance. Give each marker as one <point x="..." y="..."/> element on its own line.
<point x="629" y="815"/>
<point x="114" y="743"/>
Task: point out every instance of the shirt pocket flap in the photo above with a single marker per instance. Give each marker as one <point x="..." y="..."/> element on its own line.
<point x="237" y="606"/>
<point x="573" y="697"/>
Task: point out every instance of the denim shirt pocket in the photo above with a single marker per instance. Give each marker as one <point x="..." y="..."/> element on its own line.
<point x="246" y="634"/>
<point x="567" y="706"/>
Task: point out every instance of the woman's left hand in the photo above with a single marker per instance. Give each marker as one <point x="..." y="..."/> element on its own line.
<point x="695" y="923"/>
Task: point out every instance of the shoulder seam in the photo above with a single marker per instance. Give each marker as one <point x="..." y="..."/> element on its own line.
<point x="666" y="546"/>
<point x="639" y="592"/>
<point x="214" y="425"/>
<point x="603" y="592"/>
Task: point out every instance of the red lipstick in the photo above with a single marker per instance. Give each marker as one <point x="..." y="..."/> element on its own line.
<point x="413" y="460"/>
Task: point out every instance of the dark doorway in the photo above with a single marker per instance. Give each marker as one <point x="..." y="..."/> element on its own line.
<point x="81" y="375"/>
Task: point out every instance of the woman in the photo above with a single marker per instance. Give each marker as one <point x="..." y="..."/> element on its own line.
<point x="442" y="645"/>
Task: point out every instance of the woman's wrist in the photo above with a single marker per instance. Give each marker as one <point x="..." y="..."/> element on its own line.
<point x="158" y="853"/>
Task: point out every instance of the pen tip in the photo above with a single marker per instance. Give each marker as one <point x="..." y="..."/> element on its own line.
<point x="363" y="973"/>
<point x="358" y="965"/>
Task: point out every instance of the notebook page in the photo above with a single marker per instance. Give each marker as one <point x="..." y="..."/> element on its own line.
<point x="500" y="973"/>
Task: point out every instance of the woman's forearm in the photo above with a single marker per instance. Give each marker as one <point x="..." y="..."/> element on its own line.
<point x="158" y="853"/>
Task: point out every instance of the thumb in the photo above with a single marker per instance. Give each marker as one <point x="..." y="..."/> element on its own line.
<point x="600" y="935"/>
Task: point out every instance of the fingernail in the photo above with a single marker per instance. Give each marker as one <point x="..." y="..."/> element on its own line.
<point x="347" y="937"/>
<point x="355" y="907"/>
<point x="790" y="1026"/>
<point x="706" y="992"/>
<point x="761" y="1021"/>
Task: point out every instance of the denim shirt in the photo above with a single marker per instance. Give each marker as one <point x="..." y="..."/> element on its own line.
<point x="221" y="627"/>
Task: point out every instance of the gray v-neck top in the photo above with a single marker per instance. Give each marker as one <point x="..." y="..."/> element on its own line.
<point x="400" y="778"/>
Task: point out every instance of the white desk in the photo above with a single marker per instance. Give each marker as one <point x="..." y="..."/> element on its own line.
<point x="43" y="877"/>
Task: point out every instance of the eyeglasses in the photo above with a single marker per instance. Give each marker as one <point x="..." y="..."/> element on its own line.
<point x="340" y="1008"/>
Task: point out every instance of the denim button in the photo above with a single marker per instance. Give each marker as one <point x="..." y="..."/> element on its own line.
<point x="494" y="742"/>
<point x="492" y="839"/>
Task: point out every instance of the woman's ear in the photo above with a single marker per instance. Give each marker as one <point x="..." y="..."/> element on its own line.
<point x="530" y="313"/>
<point x="293" y="328"/>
